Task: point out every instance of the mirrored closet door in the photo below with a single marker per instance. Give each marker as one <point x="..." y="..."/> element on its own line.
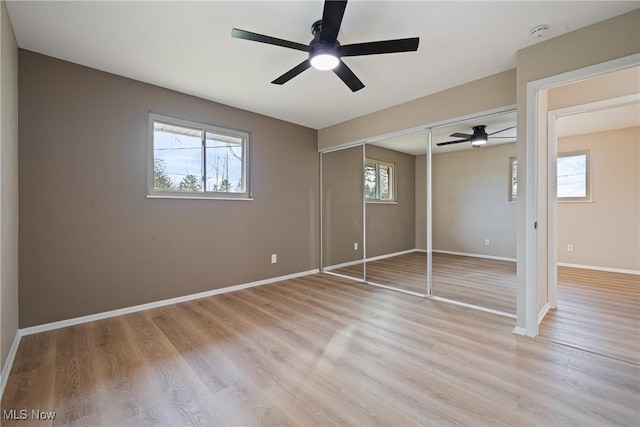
<point x="395" y="212"/>
<point x="474" y="175"/>
<point x="343" y="212"/>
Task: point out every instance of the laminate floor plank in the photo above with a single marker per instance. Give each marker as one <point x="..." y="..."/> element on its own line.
<point x="597" y="311"/>
<point x="317" y="350"/>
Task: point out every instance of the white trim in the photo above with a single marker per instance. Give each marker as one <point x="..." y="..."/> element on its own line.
<point x="520" y="331"/>
<point x="543" y="312"/>
<point x="499" y="258"/>
<point x="593" y="267"/>
<point x="391" y="255"/>
<point x="8" y="364"/>
<point x="157" y="195"/>
<point x="133" y="309"/>
<point x="344" y="264"/>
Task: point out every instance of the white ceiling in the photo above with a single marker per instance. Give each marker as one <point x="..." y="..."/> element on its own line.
<point x="186" y="46"/>
<point x="622" y="117"/>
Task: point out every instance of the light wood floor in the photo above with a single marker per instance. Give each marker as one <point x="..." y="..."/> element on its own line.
<point x="479" y="281"/>
<point x="597" y="311"/>
<point x="316" y="350"/>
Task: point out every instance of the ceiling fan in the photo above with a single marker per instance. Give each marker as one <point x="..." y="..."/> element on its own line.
<point x="478" y="138"/>
<point x="325" y="52"/>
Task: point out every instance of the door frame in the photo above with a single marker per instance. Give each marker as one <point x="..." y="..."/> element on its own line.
<point x="536" y="179"/>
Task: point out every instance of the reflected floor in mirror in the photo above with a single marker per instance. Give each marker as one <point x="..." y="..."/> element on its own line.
<point x="478" y="281"/>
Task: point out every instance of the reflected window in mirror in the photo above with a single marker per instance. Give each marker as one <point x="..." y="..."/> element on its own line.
<point x="379" y="181"/>
<point x="513" y="179"/>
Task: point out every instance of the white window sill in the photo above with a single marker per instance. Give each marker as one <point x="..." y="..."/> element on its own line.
<point x="175" y="196"/>
<point x="382" y="202"/>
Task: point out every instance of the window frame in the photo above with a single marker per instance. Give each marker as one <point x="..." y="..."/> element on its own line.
<point x="511" y="197"/>
<point x="587" y="178"/>
<point x="392" y="186"/>
<point x="152" y="192"/>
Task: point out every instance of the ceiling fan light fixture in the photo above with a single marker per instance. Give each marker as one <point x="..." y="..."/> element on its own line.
<point x="324" y="60"/>
<point x="478" y="140"/>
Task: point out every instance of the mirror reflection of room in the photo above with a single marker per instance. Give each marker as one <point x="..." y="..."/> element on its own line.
<point x="474" y="212"/>
<point x="395" y="200"/>
<point x="342" y="213"/>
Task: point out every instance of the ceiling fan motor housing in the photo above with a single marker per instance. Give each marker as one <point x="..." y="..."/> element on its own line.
<point x="479" y="137"/>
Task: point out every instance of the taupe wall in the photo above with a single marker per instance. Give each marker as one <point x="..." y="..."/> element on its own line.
<point x="606" y="231"/>
<point x="90" y="240"/>
<point x="601" y="42"/>
<point x="603" y="87"/>
<point x="342" y="212"/>
<point x="8" y="186"/>
<point x="470" y="201"/>
<point x="392" y="227"/>
<point x="496" y="91"/>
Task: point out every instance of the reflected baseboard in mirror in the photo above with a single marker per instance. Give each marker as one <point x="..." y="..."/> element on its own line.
<point x="478" y="281"/>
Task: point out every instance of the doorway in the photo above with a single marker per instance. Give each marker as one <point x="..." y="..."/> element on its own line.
<point x="540" y="243"/>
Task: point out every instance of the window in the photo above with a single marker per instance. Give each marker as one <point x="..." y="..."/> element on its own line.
<point x="572" y="177"/>
<point x="513" y="181"/>
<point x="196" y="160"/>
<point x="573" y="182"/>
<point x="378" y="181"/>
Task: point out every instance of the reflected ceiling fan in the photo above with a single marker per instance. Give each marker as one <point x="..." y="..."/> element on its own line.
<point x="478" y="138"/>
<point x="325" y="52"/>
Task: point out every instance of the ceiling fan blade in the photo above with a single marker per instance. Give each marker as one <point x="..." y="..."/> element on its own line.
<point x="385" y="46"/>
<point x="461" y="135"/>
<point x="292" y="72"/>
<point x="498" y="131"/>
<point x="348" y="77"/>
<point x="440" y="144"/>
<point x="255" y="37"/>
<point x="331" y="21"/>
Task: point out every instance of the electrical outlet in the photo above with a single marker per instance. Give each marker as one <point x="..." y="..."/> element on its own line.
<point x="570" y="247"/>
<point x="487" y="242"/>
<point x="355" y="246"/>
<point x="274" y="258"/>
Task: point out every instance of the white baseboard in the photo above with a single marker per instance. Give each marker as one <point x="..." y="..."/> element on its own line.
<point x="375" y="258"/>
<point x="518" y="330"/>
<point x="341" y="265"/>
<point x="607" y="269"/>
<point x="8" y="364"/>
<point x="498" y="258"/>
<point x="543" y="312"/>
<point x="391" y="255"/>
<point x="107" y="314"/>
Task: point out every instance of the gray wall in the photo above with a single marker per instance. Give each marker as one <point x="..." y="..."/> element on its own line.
<point x="470" y="201"/>
<point x="392" y="227"/>
<point x="8" y="186"/>
<point x="90" y="240"/>
<point x="342" y="213"/>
